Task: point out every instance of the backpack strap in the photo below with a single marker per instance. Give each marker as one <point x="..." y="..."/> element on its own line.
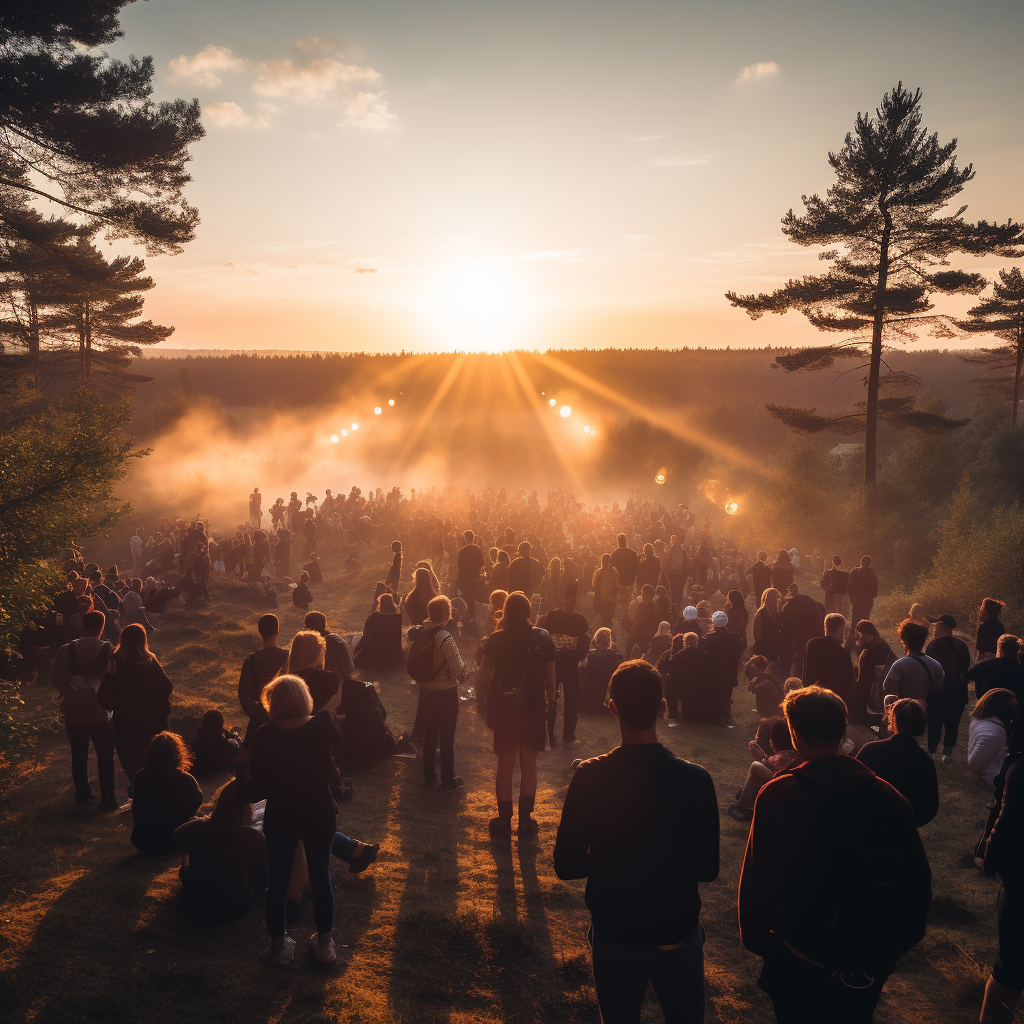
<point x="73" y="655"/>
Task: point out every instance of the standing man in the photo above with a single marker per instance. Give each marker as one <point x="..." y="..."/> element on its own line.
<point x="914" y="675"/>
<point x="826" y="662"/>
<point x="470" y="561"/>
<point x="256" y="508"/>
<point x="760" y="574"/>
<point x="862" y="589"/>
<point x="800" y="619"/>
<point x="137" y="545"/>
<point x="570" y="633"/>
<point x="835" y="581"/>
<point x="946" y="705"/>
<point x="642" y="896"/>
<point x="625" y="561"/>
<point x="726" y="648"/>
<point x="835" y="885"/>
<point x="257" y="670"/>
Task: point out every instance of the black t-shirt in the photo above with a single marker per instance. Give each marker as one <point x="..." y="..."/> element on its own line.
<point x="569" y="632"/>
<point x="323" y="685"/>
<point x="226" y="863"/>
<point x="901" y="762"/>
<point x="989" y="633"/>
<point x="162" y="801"/>
<point x="507" y="650"/>
<point x="668" y="809"/>
<point x="993" y="673"/>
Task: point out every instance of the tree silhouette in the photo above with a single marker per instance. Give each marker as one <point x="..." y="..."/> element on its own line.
<point x="86" y="125"/>
<point x="888" y="252"/>
<point x="1002" y="315"/>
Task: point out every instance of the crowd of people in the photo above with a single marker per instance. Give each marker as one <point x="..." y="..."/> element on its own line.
<point x="634" y="611"/>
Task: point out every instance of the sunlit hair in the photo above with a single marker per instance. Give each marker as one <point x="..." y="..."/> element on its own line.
<point x="782" y="555"/>
<point x="517" y="611"/>
<point x="555" y="565"/>
<point x="994" y="703"/>
<point x="912" y="634"/>
<point x="132" y="645"/>
<point x="1008" y="646"/>
<point x="834" y="621"/>
<point x="907" y="716"/>
<point x="286" y="697"/>
<point x="386" y="603"/>
<point x="315" y="620"/>
<point x="991" y="608"/>
<point x="816" y="715"/>
<point x="770" y="600"/>
<point x="756" y="666"/>
<point x="677" y="642"/>
<point x="268" y="626"/>
<point x="308" y="650"/>
<point x="736" y="600"/>
<point x="648" y="550"/>
<point x="691" y="639"/>
<point x="167" y="751"/>
<point x="603" y="637"/>
<point x="606" y="560"/>
<point x="504" y="558"/>
<point x="229" y="808"/>
<point x="498" y="599"/>
<point x="439" y="610"/>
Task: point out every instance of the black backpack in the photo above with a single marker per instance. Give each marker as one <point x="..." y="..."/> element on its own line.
<point x="420" y="661"/>
<point x="859" y="904"/>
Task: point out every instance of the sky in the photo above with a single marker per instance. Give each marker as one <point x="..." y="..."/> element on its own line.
<point x="471" y="174"/>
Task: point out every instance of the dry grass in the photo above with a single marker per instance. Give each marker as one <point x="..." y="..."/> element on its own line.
<point x="444" y="928"/>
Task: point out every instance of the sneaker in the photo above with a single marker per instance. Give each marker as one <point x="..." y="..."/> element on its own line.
<point x="287" y="954"/>
<point x="738" y="813"/>
<point x="324" y="955"/>
<point x="500" y="828"/>
<point x="365" y="859"/>
<point x="451" y="784"/>
<point x="528" y="827"/>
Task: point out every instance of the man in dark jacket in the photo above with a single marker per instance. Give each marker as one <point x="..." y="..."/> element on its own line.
<point x="570" y="633"/>
<point x="525" y="571"/>
<point x="946" y="705"/>
<point x="1004" y="670"/>
<point x="826" y="662"/>
<point x="800" y="619"/>
<point x="692" y="683"/>
<point x="470" y="562"/>
<point x="726" y="648"/>
<point x="626" y="561"/>
<point x="257" y="670"/>
<point x="760" y="574"/>
<point x="645" y="909"/>
<point x="862" y="590"/>
<point x="835" y="885"/>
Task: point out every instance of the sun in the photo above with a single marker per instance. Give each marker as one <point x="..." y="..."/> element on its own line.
<point x="477" y="307"/>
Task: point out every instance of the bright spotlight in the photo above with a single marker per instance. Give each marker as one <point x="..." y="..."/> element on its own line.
<point x="344" y="433"/>
<point x="377" y="410"/>
<point x="660" y="478"/>
<point x="552" y="402"/>
<point x="731" y="508"/>
<point x="391" y="401"/>
<point x="565" y="412"/>
<point x="334" y="438"/>
<point x="355" y="426"/>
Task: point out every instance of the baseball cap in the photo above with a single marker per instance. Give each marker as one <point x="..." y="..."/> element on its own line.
<point x="690" y="613"/>
<point x="719" y="619"/>
<point x="946" y="620"/>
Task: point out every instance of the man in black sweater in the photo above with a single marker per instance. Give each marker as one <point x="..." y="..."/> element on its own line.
<point x="946" y="705"/>
<point x="826" y="662"/>
<point x="570" y="633"/>
<point x="641" y="825"/>
<point x="902" y="763"/>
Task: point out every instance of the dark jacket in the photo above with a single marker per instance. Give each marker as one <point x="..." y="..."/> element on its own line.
<point x="955" y="658"/>
<point x="139" y="696"/>
<point x="1005" y="852"/>
<point x="1007" y="673"/>
<point x="827" y="663"/>
<point x="904" y="765"/>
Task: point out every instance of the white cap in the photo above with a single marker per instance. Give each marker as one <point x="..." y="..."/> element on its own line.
<point x="719" y="619"/>
<point x="689" y="612"/>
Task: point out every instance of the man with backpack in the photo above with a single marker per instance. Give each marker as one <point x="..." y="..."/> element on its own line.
<point x="915" y="675"/>
<point x="77" y="671"/>
<point x="835" y="885"/>
<point x="435" y="663"/>
<point x="257" y="670"/>
<point x="946" y="705"/>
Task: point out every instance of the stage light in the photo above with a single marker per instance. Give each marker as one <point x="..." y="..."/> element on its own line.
<point x="565" y="412"/>
<point x="552" y="402"/>
<point x="377" y="410"/>
<point x="731" y="508"/>
<point x="391" y="401"/>
<point x="660" y="478"/>
<point x="355" y="426"/>
<point x="334" y="438"/>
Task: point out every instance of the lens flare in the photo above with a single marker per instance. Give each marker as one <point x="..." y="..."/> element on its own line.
<point x="659" y="479"/>
<point x="731" y="508"/>
<point x="391" y="401"/>
<point x="344" y="433"/>
<point x="565" y="412"/>
<point x="377" y="410"/>
<point x="355" y="426"/>
<point x="586" y="430"/>
<point x="334" y="438"/>
<point x="552" y="402"/>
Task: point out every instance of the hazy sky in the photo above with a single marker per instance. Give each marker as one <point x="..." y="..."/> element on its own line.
<point x="419" y="174"/>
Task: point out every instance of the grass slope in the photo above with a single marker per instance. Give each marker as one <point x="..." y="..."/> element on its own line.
<point x="444" y="928"/>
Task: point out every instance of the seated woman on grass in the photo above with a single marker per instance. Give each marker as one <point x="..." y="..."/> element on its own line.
<point x="165" y="795"/>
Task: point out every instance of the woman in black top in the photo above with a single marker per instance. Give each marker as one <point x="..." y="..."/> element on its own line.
<point x="380" y="647"/>
<point x="517" y="678"/>
<point x="292" y="769"/>
<point x="306" y="658"/>
<point x="422" y="593"/>
<point x="990" y="629"/>
<point x="136" y="689"/>
<point x="166" y="796"/>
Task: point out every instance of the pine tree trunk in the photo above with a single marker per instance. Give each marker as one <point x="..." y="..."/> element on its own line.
<point x="88" y="343"/>
<point x="1016" y="374"/>
<point x="33" y="348"/>
<point x="875" y="370"/>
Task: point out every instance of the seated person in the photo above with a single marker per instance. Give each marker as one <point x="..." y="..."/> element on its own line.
<point x="782" y="756"/>
<point x="214" y="747"/>
<point x="901" y="762"/>
<point x="312" y="569"/>
<point x="302" y="596"/>
<point x="767" y="690"/>
<point x="158" y="601"/>
<point x="224" y="858"/>
<point x="165" y="795"/>
<point x="306" y="659"/>
<point x="380" y="647"/>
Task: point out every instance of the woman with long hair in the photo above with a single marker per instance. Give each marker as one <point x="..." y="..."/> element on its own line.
<point x="380" y="647"/>
<point x="766" y="631"/>
<point x="516" y="679"/>
<point x="499" y="571"/>
<point x="423" y="592"/>
<point x="554" y="585"/>
<point x="988" y="740"/>
<point x="306" y="657"/>
<point x="736" y="609"/>
<point x="166" y="796"/>
<point x="782" y="571"/>
<point x="292" y="769"/>
<point x="136" y="689"/>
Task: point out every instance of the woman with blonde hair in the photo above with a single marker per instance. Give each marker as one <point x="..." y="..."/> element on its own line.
<point x="136" y="689"/>
<point x="554" y="587"/>
<point x="306" y="658"/>
<point x="293" y="770"/>
<point x="766" y="630"/>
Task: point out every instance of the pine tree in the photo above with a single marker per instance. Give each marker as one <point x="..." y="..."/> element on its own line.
<point x="888" y="252"/>
<point x="1002" y="315"/>
<point x="86" y="125"/>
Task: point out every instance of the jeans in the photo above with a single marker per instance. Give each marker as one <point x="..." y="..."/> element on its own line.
<point x="102" y="737"/>
<point x="440" y="712"/>
<point x="568" y="677"/>
<point x="281" y="855"/>
<point x="943" y="716"/>
<point x="342" y="847"/>
<point x="621" y="974"/>
<point x="803" y="993"/>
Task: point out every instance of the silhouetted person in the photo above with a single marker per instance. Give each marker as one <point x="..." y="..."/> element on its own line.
<point x="826" y="662"/>
<point x="862" y="589"/>
<point x="946" y="705"/>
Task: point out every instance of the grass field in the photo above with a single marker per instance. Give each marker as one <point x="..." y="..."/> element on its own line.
<point x="444" y="927"/>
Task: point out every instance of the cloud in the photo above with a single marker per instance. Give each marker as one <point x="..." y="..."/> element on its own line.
<point x="231" y="115"/>
<point x="367" y="111"/>
<point x="755" y="72"/>
<point x="649" y="138"/>
<point x="313" y="81"/>
<point x="199" y="69"/>
<point x="679" y="161"/>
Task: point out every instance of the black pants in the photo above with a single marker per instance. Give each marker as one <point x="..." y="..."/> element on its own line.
<point x="569" y="680"/>
<point x="317" y="843"/>
<point x="1009" y="966"/>
<point x="621" y="974"/>
<point x="943" y="715"/>
<point x="440" y="712"/>
<point x="803" y="993"/>
<point x="102" y="737"/>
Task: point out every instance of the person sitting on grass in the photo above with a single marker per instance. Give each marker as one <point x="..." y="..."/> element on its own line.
<point x="645" y="907"/>
<point x="302" y="596"/>
<point x="767" y="690"/>
<point x="380" y="647"/>
<point x="165" y="795"/>
<point x="215" y="748"/>
<point x="782" y="756"/>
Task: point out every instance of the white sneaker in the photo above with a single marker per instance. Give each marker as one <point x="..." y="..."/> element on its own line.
<point x="287" y="954"/>
<point x="322" y="954"/>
